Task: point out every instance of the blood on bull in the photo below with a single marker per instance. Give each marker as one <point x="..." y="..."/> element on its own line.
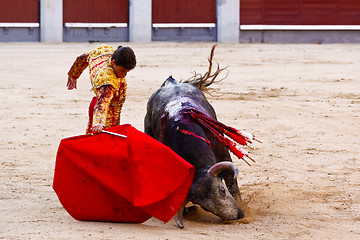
<point x="179" y="115"/>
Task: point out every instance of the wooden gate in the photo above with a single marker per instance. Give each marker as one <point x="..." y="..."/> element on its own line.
<point x="185" y="20"/>
<point x="300" y="12"/>
<point x="19" y="20"/>
<point x="95" y="20"/>
<point x="300" y="21"/>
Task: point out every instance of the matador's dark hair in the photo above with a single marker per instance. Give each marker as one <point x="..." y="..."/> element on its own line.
<point x="125" y="57"/>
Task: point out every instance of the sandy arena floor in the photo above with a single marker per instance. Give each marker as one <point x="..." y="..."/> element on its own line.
<point x="302" y="100"/>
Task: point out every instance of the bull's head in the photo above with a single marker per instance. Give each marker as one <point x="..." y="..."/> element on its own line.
<point x="210" y="191"/>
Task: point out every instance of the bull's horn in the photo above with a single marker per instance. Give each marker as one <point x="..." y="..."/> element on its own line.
<point x="223" y="166"/>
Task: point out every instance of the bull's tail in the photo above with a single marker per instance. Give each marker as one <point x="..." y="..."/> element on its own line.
<point x="204" y="81"/>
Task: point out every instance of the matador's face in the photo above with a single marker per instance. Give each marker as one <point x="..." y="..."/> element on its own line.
<point x="120" y="71"/>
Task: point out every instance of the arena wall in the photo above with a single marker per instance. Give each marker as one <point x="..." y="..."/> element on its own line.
<point x="266" y="21"/>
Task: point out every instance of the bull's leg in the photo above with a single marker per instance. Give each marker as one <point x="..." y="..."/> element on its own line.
<point x="179" y="215"/>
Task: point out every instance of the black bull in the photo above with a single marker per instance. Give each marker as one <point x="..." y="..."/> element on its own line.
<point x="214" y="187"/>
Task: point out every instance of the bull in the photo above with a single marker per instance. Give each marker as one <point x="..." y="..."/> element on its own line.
<point x="170" y="119"/>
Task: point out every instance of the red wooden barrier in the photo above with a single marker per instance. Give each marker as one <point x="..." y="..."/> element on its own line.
<point x="300" y="12"/>
<point x="96" y="11"/>
<point x="184" y="11"/>
<point x="19" y="11"/>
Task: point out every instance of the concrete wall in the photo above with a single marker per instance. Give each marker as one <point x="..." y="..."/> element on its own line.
<point x="299" y="36"/>
<point x="228" y="20"/>
<point x="51" y="20"/>
<point x="140" y="21"/>
<point x="140" y="27"/>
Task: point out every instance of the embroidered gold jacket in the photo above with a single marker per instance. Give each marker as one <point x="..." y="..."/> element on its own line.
<point x="110" y="90"/>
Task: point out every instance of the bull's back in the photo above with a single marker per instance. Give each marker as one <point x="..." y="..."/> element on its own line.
<point x="174" y="97"/>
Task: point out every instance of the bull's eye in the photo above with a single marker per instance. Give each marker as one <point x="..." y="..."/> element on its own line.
<point x="222" y="191"/>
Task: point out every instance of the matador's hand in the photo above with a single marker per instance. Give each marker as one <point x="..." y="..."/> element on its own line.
<point x="97" y="128"/>
<point x="72" y="83"/>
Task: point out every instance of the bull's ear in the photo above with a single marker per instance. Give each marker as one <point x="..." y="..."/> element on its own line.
<point x="221" y="167"/>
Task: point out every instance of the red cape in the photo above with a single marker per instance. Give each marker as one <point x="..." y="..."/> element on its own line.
<point x="110" y="178"/>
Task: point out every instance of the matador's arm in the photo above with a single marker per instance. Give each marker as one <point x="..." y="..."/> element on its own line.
<point x="79" y="66"/>
<point x="104" y="94"/>
<point x="76" y="69"/>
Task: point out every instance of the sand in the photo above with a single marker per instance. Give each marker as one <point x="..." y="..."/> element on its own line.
<point x="303" y="101"/>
